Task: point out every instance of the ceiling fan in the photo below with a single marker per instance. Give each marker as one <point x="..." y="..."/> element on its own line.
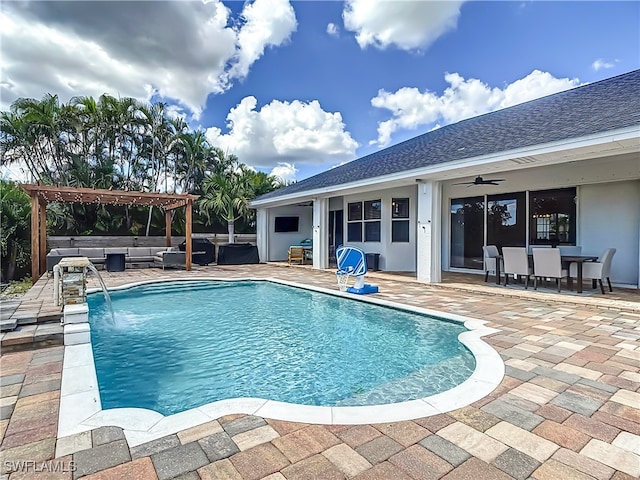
<point x="481" y="181"/>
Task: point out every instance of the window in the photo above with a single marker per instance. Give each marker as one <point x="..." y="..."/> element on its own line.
<point x="355" y="212"/>
<point x="399" y="208"/>
<point x="371" y="231"/>
<point x="507" y="220"/>
<point x="364" y="216"/>
<point x="372" y="210"/>
<point x="399" y="228"/>
<point x="354" y="232"/>
<point x="553" y="217"/>
<point x="286" y="224"/>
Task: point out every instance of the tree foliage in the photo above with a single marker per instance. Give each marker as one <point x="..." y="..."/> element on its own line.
<point x="227" y="191"/>
<point x="15" y="240"/>
<point x="123" y="144"/>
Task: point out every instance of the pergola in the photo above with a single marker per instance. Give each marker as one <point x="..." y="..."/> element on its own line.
<point x="43" y="194"/>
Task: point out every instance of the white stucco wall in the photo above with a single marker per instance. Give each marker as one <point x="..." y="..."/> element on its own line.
<point x="609" y="217"/>
<point x="394" y="256"/>
<point x="279" y="242"/>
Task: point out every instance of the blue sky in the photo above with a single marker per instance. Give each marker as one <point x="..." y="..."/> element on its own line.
<point x="295" y="88"/>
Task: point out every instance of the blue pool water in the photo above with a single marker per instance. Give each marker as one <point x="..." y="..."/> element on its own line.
<point x="180" y="345"/>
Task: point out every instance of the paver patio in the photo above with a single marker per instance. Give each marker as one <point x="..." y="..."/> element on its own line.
<point x="568" y="406"/>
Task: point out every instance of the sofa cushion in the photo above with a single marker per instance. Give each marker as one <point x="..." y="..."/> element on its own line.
<point x="140" y="259"/>
<point x="64" y="251"/>
<point x="92" y="252"/>
<point x="139" y="252"/>
<point x="115" y="250"/>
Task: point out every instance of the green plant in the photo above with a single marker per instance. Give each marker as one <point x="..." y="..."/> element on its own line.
<point x="15" y="235"/>
<point x="16" y="288"/>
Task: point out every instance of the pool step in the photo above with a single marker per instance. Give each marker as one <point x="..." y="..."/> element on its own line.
<point x="184" y="286"/>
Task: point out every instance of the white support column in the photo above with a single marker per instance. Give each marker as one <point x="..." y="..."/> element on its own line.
<point x="262" y="233"/>
<point x="428" y="262"/>
<point x="320" y="234"/>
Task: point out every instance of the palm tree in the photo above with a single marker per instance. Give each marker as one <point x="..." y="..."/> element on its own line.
<point x="16" y="145"/>
<point x="227" y="195"/>
<point x="42" y="128"/>
<point x="227" y="192"/>
<point x="195" y="154"/>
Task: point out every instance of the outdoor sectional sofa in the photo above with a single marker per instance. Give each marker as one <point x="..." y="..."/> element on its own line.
<point x="170" y="257"/>
<point x="140" y="256"/>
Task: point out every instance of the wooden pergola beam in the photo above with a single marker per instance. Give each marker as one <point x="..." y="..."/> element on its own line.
<point x="48" y="193"/>
<point x="43" y="194"/>
<point x="188" y="225"/>
<point x="167" y="226"/>
<point x="36" y="254"/>
<point x="43" y="237"/>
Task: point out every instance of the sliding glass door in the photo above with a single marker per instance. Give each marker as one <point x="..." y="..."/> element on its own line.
<point x="467" y="232"/>
<point x="551" y="220"/>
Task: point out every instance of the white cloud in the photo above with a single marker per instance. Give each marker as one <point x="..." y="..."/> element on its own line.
<point x="285" y="171"/>
<point x="284" y="132"/>
<point x="412" y="108"/>
<point x="182" y="51"/>
<point x="267" y="23"/>
<point x="407" y="24"/>
<point x="599" y="64"/>
<point x="333" y="29"/>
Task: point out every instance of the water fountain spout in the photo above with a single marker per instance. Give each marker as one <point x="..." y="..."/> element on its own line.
<point x="107" y="297"/>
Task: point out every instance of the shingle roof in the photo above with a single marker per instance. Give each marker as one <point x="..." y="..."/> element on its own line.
<point x="602" y="106"/>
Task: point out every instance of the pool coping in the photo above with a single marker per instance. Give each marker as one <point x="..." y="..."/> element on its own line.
<point x="81" y="409"/>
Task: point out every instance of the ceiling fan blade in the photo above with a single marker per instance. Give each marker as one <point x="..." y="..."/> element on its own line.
<point x="482" y="181"/>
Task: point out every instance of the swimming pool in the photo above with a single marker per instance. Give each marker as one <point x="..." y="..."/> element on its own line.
<point x="81" y="407"/>
<point x="178" y="345"/>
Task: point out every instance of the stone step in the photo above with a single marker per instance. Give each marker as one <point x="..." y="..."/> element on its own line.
<point x="7" y="325"/>
<point x="32" y="337"/>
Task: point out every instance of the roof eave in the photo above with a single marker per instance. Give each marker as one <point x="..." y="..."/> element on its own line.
<point x="621" y="141"/>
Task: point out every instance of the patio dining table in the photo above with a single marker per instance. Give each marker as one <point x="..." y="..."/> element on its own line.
<point x="578" y="260"/>
<point x="565" y="259"/>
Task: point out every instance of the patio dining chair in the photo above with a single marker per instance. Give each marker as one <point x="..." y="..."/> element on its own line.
<point x="570" y="250"/>
<point x="516" y="263"/>
<point x="531" y="247"/>
<point x="599" y="270"/>
<point x="491" y="256"/>
<point x="548" y="264"/>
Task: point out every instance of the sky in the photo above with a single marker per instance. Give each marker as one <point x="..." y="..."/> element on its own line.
<point x="294" y="88"/>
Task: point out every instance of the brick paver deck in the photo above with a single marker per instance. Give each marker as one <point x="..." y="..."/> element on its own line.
<point x="568" y="406"/>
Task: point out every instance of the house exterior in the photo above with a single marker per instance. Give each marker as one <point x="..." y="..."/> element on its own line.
<point x="566" y="170"/>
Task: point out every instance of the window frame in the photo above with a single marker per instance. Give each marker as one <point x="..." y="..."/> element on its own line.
<point x="400" y="216"/>
<point x="365" y="214"/>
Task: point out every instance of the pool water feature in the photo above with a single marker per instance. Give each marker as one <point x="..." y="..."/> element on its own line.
<point x="105" y="292"/>
<point x="178" y="345"/>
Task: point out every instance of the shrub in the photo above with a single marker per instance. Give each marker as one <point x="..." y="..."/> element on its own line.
<point x="15" y="232"/>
